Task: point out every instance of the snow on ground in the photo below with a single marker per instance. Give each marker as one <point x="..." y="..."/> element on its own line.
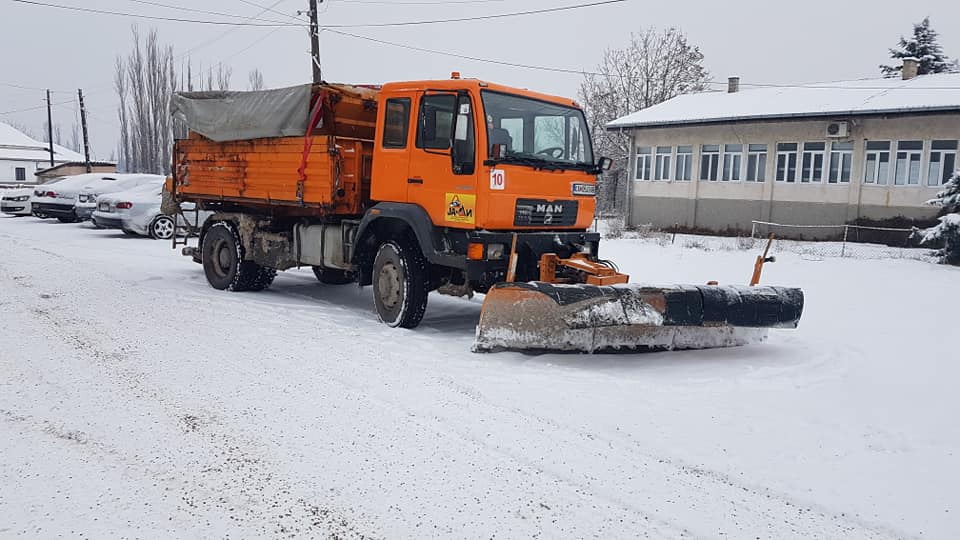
<point x="136" y="401"/>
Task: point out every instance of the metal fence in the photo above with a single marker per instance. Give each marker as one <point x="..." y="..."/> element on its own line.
<point x="850" y="241"/>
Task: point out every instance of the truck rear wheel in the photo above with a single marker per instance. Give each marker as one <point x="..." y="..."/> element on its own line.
<point x="400" y="284"/>
<point x="331" y="276"/>
<point x="223" y="262"/>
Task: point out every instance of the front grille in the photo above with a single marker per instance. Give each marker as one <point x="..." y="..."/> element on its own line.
<point x="539" y="212"/>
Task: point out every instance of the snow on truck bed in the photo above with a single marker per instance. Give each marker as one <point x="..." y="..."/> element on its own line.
<point x="136" y="401"/>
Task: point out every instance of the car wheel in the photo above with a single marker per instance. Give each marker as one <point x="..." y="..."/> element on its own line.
<point x="162" y="228"/>
<point x="332" y="276"/>
<point x="400" y="284"/>
<point x="223" y="263"/>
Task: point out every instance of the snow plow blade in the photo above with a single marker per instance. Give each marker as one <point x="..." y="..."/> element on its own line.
<point x="546" y="317"/>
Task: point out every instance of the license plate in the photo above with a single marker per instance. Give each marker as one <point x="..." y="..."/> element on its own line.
<point x="584" y="189"/>
<point x="104" y="207"/>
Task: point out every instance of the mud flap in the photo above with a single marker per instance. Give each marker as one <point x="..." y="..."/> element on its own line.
<point x="585" y="318"/>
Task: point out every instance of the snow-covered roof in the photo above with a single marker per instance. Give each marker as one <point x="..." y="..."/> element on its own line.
<point x="18" y="146"/>
<point x="926" y="93"/>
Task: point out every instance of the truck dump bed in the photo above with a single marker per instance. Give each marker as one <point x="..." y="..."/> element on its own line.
<point x="303" y="150"/>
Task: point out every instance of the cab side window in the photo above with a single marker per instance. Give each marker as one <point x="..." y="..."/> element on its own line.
<point x="436" y="121"/>
<point x="395" y="123"/>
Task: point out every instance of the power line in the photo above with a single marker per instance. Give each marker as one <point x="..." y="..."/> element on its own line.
<point x="38" y="107"/>
<point x="463" y="56"/>
<point x="414" y="2"/>
<point x="476" y="18"/>
<point x="203" y="11"/>
<point x="271" y="10"/>
<point x="156" y="18"/>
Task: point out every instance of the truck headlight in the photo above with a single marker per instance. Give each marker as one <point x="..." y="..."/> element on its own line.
<point x="495" y="251"/>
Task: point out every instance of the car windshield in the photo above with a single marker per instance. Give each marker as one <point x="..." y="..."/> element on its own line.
<point x="536" y="130"/>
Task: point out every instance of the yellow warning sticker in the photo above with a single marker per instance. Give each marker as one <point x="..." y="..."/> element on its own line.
<point x="461" y="208"/>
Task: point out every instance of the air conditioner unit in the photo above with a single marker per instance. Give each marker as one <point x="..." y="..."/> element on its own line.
<point x="838" y="129"/>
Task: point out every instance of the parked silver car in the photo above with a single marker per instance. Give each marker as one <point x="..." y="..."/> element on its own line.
<point x="137" y="212"/>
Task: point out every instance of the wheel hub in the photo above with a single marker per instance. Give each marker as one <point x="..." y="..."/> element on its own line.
<point x="163" y="228"/>
<point x="222" y="257"/>
<point x="388" y="285"/>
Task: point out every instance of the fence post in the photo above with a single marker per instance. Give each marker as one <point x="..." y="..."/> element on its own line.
<point x="843" y="247"/>
<point x="753" y="230"/>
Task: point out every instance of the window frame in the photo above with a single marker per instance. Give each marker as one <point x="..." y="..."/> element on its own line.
<point x="945" y="172"/>
<point x="419" y="142"/>
<point x="910" y="154"/>
<point x="645" y="154"/>
<point x="662" y="162"/>
<point x="846" y="157"/>
<point x="786" y="170"/>
<point x="686" y="158"/>
<point x="713" y="157"/>
<point x="812" y="169"/>
<point x="20" y="174"/>
<point x="867" y="152"/>
<point x="406" y="131"/>
<point x="735" y="175"/>
<point x="760" y="169"/>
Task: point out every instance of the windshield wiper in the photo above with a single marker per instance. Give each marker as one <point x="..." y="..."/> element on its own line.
<point x="542" y="163"/>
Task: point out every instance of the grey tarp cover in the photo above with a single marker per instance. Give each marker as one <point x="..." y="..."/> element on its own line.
<point x="233" y="116"/>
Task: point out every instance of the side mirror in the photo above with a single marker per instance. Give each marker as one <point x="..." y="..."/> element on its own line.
<point x="605" y="163"/>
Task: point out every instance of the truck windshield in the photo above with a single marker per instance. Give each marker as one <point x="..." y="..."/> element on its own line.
<point x="535" y="131"/>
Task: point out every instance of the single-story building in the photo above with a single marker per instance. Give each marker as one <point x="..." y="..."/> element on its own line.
<point x="71" y="168"/>
<point x="814" y="154"/>
<point x="21" y="156"/>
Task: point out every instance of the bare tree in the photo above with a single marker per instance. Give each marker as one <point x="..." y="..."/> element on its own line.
<point x="224" y="73"/>
<point x="75" y="143"/>
<point x="57" y="133"/>
<point x="654" y="67"/>
<point x="25" y="129"/>
<point x="256" y="80"/>
<point x="145" y="81"/>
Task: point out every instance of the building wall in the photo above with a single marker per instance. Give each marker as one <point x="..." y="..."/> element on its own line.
<point x="719" y="206"/>
<point x="71" y="170"/>
<point x="8" y="174"/>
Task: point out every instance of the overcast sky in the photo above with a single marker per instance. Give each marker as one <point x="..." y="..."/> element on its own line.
<point x="759" y="40"/>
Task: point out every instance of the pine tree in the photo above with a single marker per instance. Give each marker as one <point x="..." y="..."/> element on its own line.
<point x="924" y="47"/>
<point x="947" y="232"/>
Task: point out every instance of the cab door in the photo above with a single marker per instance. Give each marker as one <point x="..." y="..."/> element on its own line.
<point x="443" y="164"/>
<point x="392" y="148"/>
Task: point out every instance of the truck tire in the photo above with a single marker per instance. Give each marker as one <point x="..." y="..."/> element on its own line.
<point x="400" y="284"/>
<point x="332" y="276"/>
<point x="223" y="262"/>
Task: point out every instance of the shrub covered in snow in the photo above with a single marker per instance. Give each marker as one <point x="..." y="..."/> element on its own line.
<point x="947" y="232"/>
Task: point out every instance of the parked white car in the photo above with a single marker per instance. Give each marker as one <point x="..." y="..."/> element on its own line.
<point x="87" y="198"/>
<point x="60" y="200"/>
<point x="41" y="191"/>
<point x="137" y="211"/>
<point x="16" y="201"/>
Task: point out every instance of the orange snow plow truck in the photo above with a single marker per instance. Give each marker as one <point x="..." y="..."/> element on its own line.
<point x="455" y="186"/>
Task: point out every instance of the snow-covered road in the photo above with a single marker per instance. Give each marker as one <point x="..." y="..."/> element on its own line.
<point x="136" y="401"/>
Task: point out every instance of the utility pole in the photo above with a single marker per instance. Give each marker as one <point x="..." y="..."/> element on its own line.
<point x="83" y="124"/>
<point x="315" y="42"/>
<point x="50" y="126"/>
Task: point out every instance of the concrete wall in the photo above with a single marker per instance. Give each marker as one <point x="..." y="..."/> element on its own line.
<point x="8" y="170"/>
<point x="732" y="205"/>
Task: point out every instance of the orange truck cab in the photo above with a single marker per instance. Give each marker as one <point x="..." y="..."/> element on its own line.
<point x="444" y="185"/>
<point x="484" y="162"/>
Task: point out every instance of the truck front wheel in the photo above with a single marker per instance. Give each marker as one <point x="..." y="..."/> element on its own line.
<point x="223" y="262"/>
<point x="400" y="284"/>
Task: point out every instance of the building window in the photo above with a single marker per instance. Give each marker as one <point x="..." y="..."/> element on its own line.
<point x="662" y="163"/>
<point x="877" y="167"/>
<point x="943" y="161"/>
<point x="684" y="163"/>
<point x="732" y="162"/>
<point x="709" y="162"/>
<point x="757" y="163"/>
<point x="813" y="153"/>
<point x="909" y="155"/>
<point x="644" y="162"/>
<point x="841" y="159"/>
<point x="787" y="162"/>
<point x="21" y="174"/>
